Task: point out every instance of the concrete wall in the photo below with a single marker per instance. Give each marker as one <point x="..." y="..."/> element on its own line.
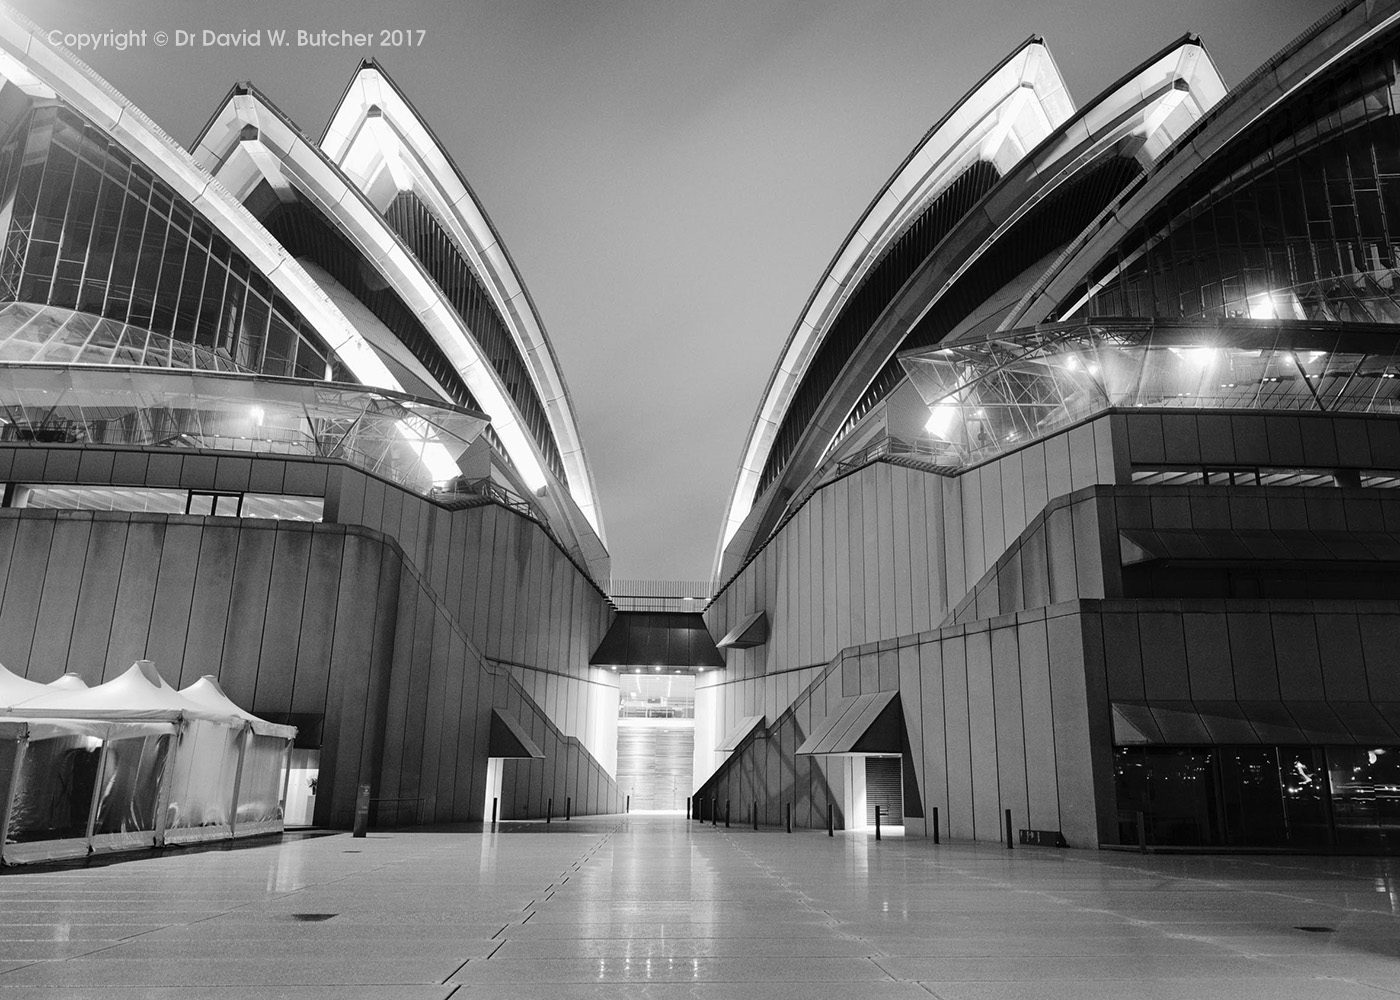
<point x="996" y="718"/>
<point x="882" y="553"/>
<point x="488" y="586"/>
<point x="1307" y="438"/>
<point x="981" y="598"/>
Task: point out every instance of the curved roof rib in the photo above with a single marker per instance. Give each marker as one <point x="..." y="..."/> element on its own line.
<point x="1009" y="111"/>
<point x="1134" y="119"/>
<point x="248" y="142"/>
<point x="1330" y="40"/>
<point x="44" y="70"/>
<point x="1139" y="116"/>
<point x="385" y="147"/>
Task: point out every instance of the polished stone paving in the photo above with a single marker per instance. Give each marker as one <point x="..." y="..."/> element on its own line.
<point x="654" y="907"/>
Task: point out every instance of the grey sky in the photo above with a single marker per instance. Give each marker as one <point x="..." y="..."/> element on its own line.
<point x="671" y="179"/>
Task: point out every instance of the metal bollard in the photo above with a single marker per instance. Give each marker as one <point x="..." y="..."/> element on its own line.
<point x="361" y="812"/>
<point x="755" y="815"/>
<point x="687" y="807"/>
<point x="877" y="822"/>
<point x="714" y="810"/>
<point x="1009" y="845"/>
<point x="628" y="807"/>
<point x="494" y="803"/>
<point x="568" y="807"/>
<point x="830" y="822"/>
<point x="1142" y="832"/>
<point x="549" y="812"/>
<point x="726" y="814"/>
<point x="935" y="824"/>
<point x="788" y="808"/>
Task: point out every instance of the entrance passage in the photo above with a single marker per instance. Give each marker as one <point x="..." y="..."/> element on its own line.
<point x="656" y="741"/>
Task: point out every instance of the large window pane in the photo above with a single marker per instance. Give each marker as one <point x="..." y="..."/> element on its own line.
<point x="1175" y="788"/>
<point x="90" y="230"/>
<point x="1365" y="786"/>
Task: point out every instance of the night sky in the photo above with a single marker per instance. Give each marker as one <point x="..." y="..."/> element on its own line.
<point x="671" y="179"/>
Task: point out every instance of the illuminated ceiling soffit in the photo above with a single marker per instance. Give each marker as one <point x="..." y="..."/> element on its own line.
<point x="1322" y="47"/>
<point x="42" y="70"/>
<point x="1008" y="113"/>
<point x="381" y="143"/>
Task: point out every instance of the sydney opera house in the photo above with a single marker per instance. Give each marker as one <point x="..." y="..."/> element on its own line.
<point x="1068" y="512"/>
<point x="245" y="433"/>
<point x="1069" y="506"/>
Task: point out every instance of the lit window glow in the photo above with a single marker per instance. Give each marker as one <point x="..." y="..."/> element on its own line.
<point x="940" y="421"/>
<point x="1202" y="357"/>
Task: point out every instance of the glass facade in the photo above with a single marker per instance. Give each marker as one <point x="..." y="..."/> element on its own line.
<point x="1306" y="797"/>
<point x="407" y="441"/>
<point x="89" y="229"/>
<point x="1297" y="219"/>
<point x="1048" y="226"/>
<point x="991" y="397"/>
<point x="36" y="334"/>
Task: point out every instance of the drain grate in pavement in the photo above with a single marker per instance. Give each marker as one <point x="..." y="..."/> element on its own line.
<point x="312" y="917"/>
<point x="1315" y="929"/>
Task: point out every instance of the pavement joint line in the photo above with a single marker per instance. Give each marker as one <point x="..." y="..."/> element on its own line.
<point x="443" y="981"/>
<point x="872" y="960"/>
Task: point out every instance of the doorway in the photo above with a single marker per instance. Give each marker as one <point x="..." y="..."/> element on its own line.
<point x="655" y="740"/>
<point x="884" y="788"/>
<point x="303" y="773"/>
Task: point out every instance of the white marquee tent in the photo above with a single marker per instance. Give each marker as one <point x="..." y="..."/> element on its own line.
<point x="131" y="763"/>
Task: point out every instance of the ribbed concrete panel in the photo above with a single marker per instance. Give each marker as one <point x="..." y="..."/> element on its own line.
<point x="59" y="585"/>
<point x="291" y="556"/>
<point x="136" y="593"/>
<point x="281" y="608"/>
<point x="94" y="620"/>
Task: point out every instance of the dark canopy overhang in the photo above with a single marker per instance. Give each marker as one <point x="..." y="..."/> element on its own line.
<point x="509" y="738"/>
<point x="676" y="639"/>
<point x="751" y="630"/>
